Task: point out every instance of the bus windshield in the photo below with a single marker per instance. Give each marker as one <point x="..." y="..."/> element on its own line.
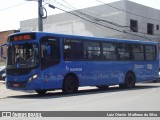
<point x="23" y="55"/>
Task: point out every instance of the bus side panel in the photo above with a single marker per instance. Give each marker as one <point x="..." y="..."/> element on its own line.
<point x="82" y="70"/>
<point x="108" y="73"/>
<point x="52" y="77"/>
<point x="151" y="70"/>
<point x="92" y="73"/>
<point x="145" y="70"/>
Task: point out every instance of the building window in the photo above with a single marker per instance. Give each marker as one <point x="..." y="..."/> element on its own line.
<point x="150" y="29"/>
<point x="157" y="27"/>
<point x="134" y="25"/>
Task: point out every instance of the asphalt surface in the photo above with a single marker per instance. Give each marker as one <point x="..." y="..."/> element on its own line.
<point x="144" y="97"/>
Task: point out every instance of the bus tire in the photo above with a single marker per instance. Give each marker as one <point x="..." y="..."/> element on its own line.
<point x="70" y="84"/>
<point x="41" y="92"/>
<point x="129" y="81"/>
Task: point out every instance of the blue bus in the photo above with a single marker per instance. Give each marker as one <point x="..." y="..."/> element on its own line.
<point x="43" y="61"/>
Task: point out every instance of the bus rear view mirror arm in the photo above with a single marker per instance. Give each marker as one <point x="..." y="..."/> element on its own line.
<point x="4" y="50"/>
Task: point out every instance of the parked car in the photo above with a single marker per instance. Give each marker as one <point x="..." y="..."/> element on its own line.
<point x="2" y="72"/>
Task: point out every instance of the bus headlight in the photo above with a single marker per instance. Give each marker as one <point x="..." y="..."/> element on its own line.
<point x="33" y="77"/>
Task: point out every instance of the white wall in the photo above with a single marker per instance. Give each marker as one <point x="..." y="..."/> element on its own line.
<point x="143" y="13"/>
<point x="69" y="24"/>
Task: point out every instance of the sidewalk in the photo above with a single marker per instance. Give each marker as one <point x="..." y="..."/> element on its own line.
<point x="4" y="93"/>
<point x="2" y="84"/>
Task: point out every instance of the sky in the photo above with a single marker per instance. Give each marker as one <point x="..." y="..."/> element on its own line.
<point x="14" y="11"/>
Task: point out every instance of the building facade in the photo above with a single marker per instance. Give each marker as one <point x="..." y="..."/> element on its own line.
<point x="123" y="19"/>
<point x="4" y="37"/>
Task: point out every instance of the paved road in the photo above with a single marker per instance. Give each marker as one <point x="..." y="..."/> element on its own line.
<point x="145" y="97"/>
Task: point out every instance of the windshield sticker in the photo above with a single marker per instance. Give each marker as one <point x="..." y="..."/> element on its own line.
<point x="149" y="66"/>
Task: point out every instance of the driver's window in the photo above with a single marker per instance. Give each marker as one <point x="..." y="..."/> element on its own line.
<point x="50" y="53"/>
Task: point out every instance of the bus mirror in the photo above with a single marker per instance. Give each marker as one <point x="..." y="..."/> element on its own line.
<point x="4" y="51"/>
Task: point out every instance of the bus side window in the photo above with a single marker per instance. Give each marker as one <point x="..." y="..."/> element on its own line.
<point x="92" y="50"/>
<point x="88" y="55"/>
<point x="138" y="52"/>
<point x="109" y="51"/>
<point x="124" y="51"/>
<point x="72" y="49"/>
<point x="150" y="52"/>
<point x="43" y="54"/>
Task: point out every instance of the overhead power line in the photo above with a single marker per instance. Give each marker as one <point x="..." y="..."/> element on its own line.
<point x="100" y="21"/>
<point x="126" y="11"/>
<point x="85" y="14"/>
<point x="89" y="20"/>
<point x="97" y="23"/>
<point x="75" y="10"/>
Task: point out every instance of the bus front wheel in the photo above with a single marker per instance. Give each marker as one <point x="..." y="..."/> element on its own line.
<point x="70" y="84"/>
<point x="129" y="81"/>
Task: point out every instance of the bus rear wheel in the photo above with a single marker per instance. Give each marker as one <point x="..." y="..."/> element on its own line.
<point x="70" y="84"/>
<point x="129" y="81"/>
<point x="41" y="92"/>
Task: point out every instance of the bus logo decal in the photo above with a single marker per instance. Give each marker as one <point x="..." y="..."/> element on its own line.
<point x="149" y="66"/>
<point x="139" y="66"/>
<point x="73" y="69"/>
<point x="67" y="68"/>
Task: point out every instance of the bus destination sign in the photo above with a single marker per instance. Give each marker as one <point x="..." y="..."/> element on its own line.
<point x="21" y="37"/>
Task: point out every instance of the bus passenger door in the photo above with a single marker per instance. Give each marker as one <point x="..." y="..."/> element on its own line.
<point x="50" y="57"/>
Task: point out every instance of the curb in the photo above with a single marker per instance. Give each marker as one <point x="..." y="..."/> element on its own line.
<point x="2" y="83"/>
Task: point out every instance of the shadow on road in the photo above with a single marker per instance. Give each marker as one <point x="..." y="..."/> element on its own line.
<point x="55" y="94"/>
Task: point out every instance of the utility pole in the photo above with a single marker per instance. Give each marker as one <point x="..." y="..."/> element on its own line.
<point x="40" y="16"/>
